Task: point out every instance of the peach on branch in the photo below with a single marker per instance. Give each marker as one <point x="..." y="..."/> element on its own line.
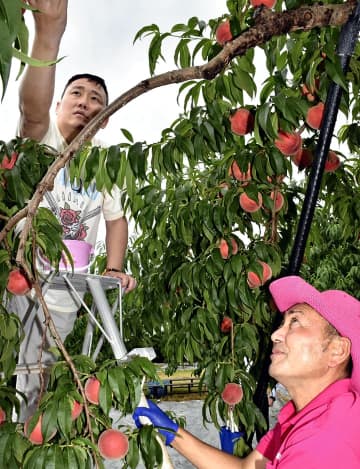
<point x="92" y="390"/>
<point x="315" y="116"/>
<point x="266" y="3"/>
<point x="239" y="175"/>
<point x="223" y="33"/>
<point x="2" y="415"/>
<point x="226" y="324"/>
<point x="113" y="444"/>
<point x="332" y="162"/>
<point x="232" y="393"/>
<point x="76" y="410"/>
<point x="17" y="283"/>
<point x="289" y="143"/>
<point x="250" y="205"/>
<point x="303" y="158"/>
<point x="225" y="251"/>
<point x="36" y="436"/>
<point x="253" y="279"/>
<point x="278" y="200"/>
<point x="242" y="121"/>
<point x="9" y="163"/>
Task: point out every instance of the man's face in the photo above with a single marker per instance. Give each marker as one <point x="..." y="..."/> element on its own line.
<point x="300" y="347"/>
<point x="83" y="99"/>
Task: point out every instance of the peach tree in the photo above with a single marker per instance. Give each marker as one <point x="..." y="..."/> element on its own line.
<point x="216" y="202"/>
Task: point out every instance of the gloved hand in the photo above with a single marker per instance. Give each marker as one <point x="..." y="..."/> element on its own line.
<point x="159" y="419"/>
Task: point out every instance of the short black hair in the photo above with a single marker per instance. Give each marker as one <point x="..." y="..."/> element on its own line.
<point x="88" y="76"/>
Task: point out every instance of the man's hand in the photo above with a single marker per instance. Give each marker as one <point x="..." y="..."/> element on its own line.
<point x="167" y="427"/>
<point x="128" y="282"/>
<point x="50" y="19"/>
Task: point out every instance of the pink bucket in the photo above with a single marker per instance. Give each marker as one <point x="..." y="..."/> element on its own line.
<point x="81" y="252"/>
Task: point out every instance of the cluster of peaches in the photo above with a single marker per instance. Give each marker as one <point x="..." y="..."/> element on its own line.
<point x="289" y="143"/>
<point x="112" y="443"/>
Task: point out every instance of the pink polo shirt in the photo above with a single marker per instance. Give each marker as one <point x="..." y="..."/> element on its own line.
<point x="324" y="434"/>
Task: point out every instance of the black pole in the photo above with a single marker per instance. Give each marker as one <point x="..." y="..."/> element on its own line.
<point x="348" y="37"/>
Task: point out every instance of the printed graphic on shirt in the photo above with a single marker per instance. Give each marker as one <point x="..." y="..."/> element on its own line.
<point x="73" y="211"/>
<point x="70" y="221"/>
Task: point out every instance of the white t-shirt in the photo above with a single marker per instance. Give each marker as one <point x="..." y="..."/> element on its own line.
<point x="78" y="210"/>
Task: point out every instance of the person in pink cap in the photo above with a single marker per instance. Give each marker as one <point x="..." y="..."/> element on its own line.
<point x="316" y="356"/>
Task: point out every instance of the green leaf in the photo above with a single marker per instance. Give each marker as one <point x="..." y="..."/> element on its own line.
<point x="33" y="62"/>
<point x="127" y="135"/>
<point x="335" y="72"/>
<point x="151" y="28"/>
<point x="64" y="415"/>
<point x="182" y="55"/>
<point x="245" y="82"/>
<point x="118" y="385"/>
<point x="136" y="158"/>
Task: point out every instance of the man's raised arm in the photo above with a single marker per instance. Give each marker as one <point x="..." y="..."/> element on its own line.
<point x="37" y="86"/>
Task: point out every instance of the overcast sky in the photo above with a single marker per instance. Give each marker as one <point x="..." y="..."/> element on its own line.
<point x="99" y="39"/>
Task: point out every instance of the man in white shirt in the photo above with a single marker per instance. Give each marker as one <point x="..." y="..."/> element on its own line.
<point x="77" y="209"/>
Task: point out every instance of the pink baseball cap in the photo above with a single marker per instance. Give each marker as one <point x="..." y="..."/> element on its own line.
<point x="340" y="309"/>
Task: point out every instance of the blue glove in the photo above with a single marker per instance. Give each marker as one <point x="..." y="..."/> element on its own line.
<point x="159" y="419"/>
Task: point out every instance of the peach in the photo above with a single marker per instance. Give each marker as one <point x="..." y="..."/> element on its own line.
<point x="17" y="283"/>
<point x="248" y="204"/>
<point x="254" y="281"/>
<point x="224" y="248"/>
<point x="239" y="175"/>
<point x="36" y="437"/>
<point x="289" y="143"/>
<point x="232" y="393"/>
<point x="2" y="415"/>
<point x="76" y="410"/>
<point x="9" y="163"/>
<point x="332" y="162"/>
<point x="315" y="116"/>
<point x="92" y="390"/>
<point x="278" y="201"/>
<point x="226" y="324"/>
<point x="242" y="121"/>
<point x="113" y="444"/>
<point x="266" y="3"/>
<point x="223" y="33"/>
<point x="303" y="158"/>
